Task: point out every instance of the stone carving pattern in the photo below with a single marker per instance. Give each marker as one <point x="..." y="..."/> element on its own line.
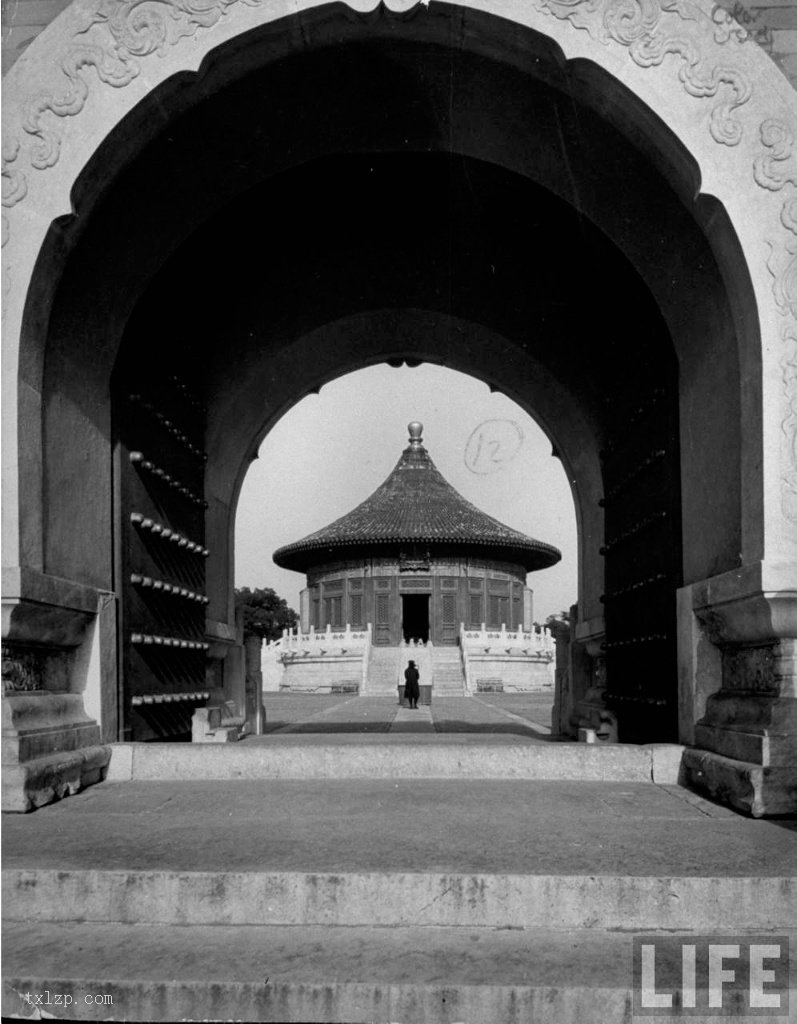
<point x="775" y="169"/>
<point x="21" y="671"/>
<point x="137" y="29"/>
<point x="639" y="25"/>
<point x="140" y="28"/>
<point x="789" y="425"/>
<point x="15" y="185"/>
<point x="749" y="668"/>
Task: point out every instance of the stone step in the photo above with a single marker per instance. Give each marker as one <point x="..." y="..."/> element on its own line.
<point x="400" y="899"/>
<point x="395" y="900"/>
<point x="267" y="973"/>
<point x="386" y="756"/>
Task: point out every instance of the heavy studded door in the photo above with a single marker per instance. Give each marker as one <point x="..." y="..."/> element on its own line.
<point x="642" y="550"/>
<point x="159" y="426"/>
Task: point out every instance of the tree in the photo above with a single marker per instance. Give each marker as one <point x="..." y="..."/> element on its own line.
<point x="266" y="614"/>
<point x="556" y="619"/>
<point x="560" y="620"/>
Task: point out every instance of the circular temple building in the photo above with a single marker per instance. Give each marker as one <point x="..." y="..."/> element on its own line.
<point x="416" y="561"/>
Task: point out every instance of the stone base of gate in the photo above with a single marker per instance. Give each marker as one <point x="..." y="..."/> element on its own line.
<point x="51" y="748"/>
<point x="33" y="784"/>
<point x="738" y="696"/>
<point x="59" y="687"/>
<point x="762" y="792"/>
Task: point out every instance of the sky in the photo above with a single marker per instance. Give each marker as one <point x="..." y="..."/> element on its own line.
<point x="332" y="450"/>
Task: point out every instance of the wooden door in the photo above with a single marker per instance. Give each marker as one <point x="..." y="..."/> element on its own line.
<point x="382" y="614"/>
<point x="449" y="628"/>
<point x="642" y="551"/>
<point x="160" y="563"/>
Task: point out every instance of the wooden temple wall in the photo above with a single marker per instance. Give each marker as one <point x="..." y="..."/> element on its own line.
<point x="455" y="593"/>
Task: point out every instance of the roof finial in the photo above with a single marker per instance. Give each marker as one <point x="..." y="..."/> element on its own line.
<point x="416" y="441"/>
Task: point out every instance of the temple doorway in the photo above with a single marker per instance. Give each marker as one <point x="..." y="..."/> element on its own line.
<point x="415" y="617"/>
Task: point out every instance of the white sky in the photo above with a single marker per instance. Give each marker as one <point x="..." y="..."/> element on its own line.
<point x="332" y="450"/>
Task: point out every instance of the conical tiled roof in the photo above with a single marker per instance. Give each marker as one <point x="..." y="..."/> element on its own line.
<point x="416" y="505"/>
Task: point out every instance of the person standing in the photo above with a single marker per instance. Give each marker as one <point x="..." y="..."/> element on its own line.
<point x="412" y="690"/>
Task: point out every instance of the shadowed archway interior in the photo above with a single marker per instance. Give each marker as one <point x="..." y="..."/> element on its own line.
<point x="403" y="201"/>
<point x="450" y="236"/>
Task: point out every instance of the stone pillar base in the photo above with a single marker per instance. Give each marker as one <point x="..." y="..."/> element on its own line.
<point x="51" y="748"/>
<point x="35" y="783"/>
<point x="746" y="688"/>
<point x="761" y="792"/>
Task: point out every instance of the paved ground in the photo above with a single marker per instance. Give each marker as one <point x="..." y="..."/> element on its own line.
<point x="284" y="710"/>
<point x="535" y="706"/>
<point x="400" y="824"/>
<point x="413" y="720"/>
<point x="514" y="714"/>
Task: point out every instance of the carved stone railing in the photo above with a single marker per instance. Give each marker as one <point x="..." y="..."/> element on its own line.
<point x="329" y="643"/>
<point x="506" y="641"/>
<point x="294" y="648"/>
<point x="512" y="660"/>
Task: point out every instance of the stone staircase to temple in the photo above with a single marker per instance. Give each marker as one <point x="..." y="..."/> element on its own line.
<point x="448" y="677"/>
<point x="378" y="900"/>
<point x="383" y="667"/>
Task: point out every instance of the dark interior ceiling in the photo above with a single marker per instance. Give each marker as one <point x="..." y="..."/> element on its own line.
<point x="428" y="231"/>
<point x="332" y="181"/>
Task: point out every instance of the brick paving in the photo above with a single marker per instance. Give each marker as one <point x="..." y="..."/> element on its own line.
<point x="312" y="713"/>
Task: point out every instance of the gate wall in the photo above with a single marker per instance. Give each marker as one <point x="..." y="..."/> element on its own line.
<point x="733" y="117"/>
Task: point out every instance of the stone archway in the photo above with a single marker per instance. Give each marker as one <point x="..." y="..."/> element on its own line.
<point x="639" y="66"/>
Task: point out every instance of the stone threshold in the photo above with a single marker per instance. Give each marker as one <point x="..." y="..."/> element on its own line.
<point x="396" y="754"/>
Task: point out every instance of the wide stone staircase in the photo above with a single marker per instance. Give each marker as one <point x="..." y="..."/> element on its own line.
<point x="383" y="667"/>
<point x="399" y="899"/>
<point x="448" y="677"/>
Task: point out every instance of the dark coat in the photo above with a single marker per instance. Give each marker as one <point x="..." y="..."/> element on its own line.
<point x="411" y="689"/>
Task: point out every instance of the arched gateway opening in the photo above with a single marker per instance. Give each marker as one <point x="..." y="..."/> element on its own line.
<point x="462" y="269"/>
<point x="436" y="185"/>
